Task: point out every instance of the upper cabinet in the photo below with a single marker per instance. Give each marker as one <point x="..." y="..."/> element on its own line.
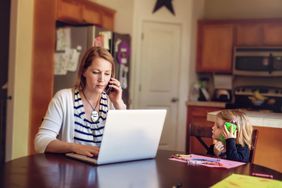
<point x="85" y="12"/>
<point x="217" y="39"/>
<point x="249" y="34"/>
<point x="272" y="34"/>
<point x="215" y="47"/>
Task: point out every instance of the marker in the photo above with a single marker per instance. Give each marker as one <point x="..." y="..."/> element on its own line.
<point x="206" y="160"/>
<point x="262" y="175"/>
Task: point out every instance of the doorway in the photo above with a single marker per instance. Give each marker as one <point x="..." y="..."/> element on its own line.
<point x="159" y="76"/>
<point x="4" y="59"/>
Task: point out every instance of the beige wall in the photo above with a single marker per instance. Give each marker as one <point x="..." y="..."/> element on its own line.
<point x="123" y="16"/>
<point x="20" y="59"/>
<point x="232" y="9"/>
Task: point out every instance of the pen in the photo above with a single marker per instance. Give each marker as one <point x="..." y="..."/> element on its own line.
<point x="262" y="175"/>
<point x="208" y="160"/>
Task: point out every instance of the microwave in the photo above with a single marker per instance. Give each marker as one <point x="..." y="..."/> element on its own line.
<point x="257" y="61"/>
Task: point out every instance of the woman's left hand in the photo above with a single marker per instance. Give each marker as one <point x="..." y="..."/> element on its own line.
<point x="115" y="94"/>
<point x="229" y="134"/>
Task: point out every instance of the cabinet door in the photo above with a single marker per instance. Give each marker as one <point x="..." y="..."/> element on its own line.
<point x="69" y="11"/>
<point x="91" y="13"/>
<point x="272" y="34"/>
<point x="108" y="20"/>
<point x="249" y="35"/>
<point x="215" y="48"/>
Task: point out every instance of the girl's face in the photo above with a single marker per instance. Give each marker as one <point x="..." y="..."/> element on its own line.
<point x="217" y="128"/>
<point x="97" y="75"/>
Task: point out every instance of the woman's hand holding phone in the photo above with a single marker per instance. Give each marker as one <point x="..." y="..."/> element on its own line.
<point x="115" y="94"/>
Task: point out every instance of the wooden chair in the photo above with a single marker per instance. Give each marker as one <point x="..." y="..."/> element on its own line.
<point x="199" y="131"/>
<point x="253" y="145"/>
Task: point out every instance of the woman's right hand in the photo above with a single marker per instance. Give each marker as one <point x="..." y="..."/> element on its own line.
<point x="218" y="148"/>
<point x="88" y="151"/>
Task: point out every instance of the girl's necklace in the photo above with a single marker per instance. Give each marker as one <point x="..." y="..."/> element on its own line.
<point x="94" y="114"/>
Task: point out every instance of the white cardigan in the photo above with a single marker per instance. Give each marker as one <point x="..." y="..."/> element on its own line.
<point x="58" y="121"/>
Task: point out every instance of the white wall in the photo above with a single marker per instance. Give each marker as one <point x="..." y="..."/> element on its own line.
<point x="183" y="11"/>
<point x="130" y="21"/>
<point x="123" y="16"/>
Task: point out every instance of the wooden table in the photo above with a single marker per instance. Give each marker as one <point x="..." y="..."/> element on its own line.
<point x="56" y="170"/>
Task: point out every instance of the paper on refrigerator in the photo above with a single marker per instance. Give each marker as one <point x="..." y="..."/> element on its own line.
<point x="63" y="39"/>
<point x="60" y="67"/>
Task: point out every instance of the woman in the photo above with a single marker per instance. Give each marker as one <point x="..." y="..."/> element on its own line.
<point x="75" y="119"/>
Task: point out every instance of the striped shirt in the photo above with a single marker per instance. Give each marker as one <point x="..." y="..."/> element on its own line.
<point x="87" y="132"/>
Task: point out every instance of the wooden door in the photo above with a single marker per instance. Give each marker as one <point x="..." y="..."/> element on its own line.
<point x="160" y="61"/>
<point x="215" y="48"/>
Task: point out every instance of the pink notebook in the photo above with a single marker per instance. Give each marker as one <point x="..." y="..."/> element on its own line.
<point x="212" y="162"/>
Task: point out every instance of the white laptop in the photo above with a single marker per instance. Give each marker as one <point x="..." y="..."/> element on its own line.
<point x="129" y="135"/>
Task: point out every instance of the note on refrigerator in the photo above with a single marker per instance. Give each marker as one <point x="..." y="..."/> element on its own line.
<point x="72" y="59"/>
<point x="60" y="64"/>
<point x="63" y="39"/>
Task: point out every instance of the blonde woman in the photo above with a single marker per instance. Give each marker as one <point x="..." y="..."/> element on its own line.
<point x="232" y="143"/>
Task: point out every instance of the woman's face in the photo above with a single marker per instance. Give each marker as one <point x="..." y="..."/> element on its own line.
<point x="97" y="75"/>
<point x="217" y="128"/>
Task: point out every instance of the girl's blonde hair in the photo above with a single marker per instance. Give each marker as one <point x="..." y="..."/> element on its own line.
<point x="244" y="128"/>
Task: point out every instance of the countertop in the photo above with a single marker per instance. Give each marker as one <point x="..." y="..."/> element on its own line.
<point x="206" y="103"/>
<point x="257" y="118"/>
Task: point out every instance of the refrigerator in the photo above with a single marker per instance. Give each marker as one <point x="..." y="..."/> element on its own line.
<point x="73" y="41"/>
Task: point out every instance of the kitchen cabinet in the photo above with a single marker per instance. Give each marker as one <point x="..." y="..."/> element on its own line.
<point x="217" y="39"/>
<point x="272" y="34"/>
<point x="249" y="34"/>
<point x="69" y="11"/>
<point x="197" y="115"/>
<point x="84" y="12"/>
<point x="261" y="33"/>
<point x="215" y="47"/>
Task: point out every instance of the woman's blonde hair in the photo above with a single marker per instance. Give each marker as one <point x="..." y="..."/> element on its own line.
<point x="89" y="56"/>
<point x="244" y="128"/>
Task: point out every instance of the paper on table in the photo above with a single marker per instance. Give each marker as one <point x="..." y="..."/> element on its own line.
<point x="194" y="159"/>
<point x="222" y="81"/>
<point x="236" y="180"/>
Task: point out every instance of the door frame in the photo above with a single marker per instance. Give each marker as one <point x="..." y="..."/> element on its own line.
<point x="5" y="22"/>
<point x="183" y="77"/>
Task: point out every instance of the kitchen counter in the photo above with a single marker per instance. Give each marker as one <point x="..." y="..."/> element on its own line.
<point x="206" y="103"/>
<point x="257" y="118"/>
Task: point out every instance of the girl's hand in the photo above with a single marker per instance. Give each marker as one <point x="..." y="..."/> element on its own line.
<point x="218" y="148"/>
<point x="229" y="134"/>
<point x="115" y="94"/>
<point x="88" y="151"/>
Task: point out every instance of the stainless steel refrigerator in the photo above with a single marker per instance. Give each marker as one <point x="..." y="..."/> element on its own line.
<point x="73" y="41"/>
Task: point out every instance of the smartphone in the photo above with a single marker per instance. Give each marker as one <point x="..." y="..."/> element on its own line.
<point x="228" y="125"/>
<point x="108" y="89"/>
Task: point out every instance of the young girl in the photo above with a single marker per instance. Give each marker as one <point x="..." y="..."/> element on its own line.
<point x="236" y="144"/>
